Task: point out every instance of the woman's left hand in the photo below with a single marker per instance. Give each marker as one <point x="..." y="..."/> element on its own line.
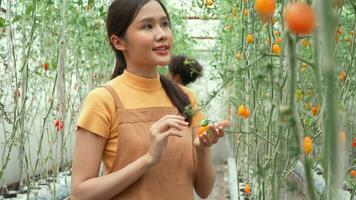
<point x="212" y="135"/>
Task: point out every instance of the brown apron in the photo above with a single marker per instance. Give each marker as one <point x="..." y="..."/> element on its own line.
<point x="172" y="178"/>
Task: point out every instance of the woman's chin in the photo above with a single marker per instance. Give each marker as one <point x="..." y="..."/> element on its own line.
<point x="163" y="61"/>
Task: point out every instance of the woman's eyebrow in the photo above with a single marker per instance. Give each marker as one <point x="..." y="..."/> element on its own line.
<point x="151" y="19"/>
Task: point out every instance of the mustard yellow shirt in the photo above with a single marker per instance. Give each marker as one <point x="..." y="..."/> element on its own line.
<point x="98" y="110"/>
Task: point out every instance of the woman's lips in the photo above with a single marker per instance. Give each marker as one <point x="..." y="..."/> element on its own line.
<point x="161" y="50"/>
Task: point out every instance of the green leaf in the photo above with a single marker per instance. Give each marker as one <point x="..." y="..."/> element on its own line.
<point x="82" y="21"/>
<point x="29" y="9"/>
<point x="50" y="2"/>
<point x="91" y="3"/>
<point x="80" y="2"/>
<point x="101" y="9"/>
<point x="2" y="22"/>
<point x="204" y="122"/>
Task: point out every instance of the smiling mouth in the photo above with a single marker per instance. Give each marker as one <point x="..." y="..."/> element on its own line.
<point x="161" y="48"/>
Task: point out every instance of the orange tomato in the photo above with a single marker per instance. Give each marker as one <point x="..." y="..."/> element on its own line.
<point x="265" y="9"/>
<point x="308" y="145"/>
<point x="209" y="2"/>
<point x="353" y="173"/>
<point x="279" y="40"/>
<point x="243" y="111"/>
<point x="58" y="124"/>
<point x="342" y="76"/>
<point x="354" y="142"/>
<point x="276" y="49"/>
<point x="300" y="18"/>
<point x="238" y="56"/>
<point x="314" y="110"/>
<point x="246" y="13"/>
<point x="202" y="130"/>
<point x="277" y="33"/>
<point x="339" y="30"/>
<point x="249" y="38"/>
<point x="45" y="66"/>
<point x="247" y="189"/>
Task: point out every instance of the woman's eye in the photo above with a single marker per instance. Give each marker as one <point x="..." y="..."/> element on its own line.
<point x="147" y="27"/>
<point x="165" y="24"/>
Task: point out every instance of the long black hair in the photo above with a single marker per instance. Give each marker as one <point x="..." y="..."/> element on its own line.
<point x="121" y="14"/>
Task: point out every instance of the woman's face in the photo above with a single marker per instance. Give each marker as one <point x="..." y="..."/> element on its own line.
<point x="148" y="40"/>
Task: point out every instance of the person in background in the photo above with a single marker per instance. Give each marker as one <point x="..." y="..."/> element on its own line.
<point x="135" y="124"/>
<point x="184" y="70"/>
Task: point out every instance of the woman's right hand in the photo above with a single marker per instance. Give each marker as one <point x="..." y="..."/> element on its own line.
<point x="169" y="125"/>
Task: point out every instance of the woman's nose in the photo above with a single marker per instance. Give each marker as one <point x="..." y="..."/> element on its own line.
<point x="161" y="34"/>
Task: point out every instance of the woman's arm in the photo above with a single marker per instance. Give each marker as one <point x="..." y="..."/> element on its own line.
<point x="86" y="164"/>
<point x="205" y="171"/>
<point x="88" y="155"/>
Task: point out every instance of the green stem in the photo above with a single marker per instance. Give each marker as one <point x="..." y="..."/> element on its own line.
<point x="332" y="152"/>
<point x="296" y="124"/>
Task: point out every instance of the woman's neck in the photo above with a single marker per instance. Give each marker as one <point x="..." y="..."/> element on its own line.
<point x="149" y="72"/>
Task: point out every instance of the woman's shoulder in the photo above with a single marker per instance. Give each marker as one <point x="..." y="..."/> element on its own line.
<point x="100" y="96"/>
<point x="101" y="93"/>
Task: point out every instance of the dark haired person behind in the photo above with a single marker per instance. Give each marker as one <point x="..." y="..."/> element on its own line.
<point x="184" y="70"/>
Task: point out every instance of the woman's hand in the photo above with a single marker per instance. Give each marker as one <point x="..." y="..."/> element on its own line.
<point x="212" y="135"/>
<point x="169" y="125"/>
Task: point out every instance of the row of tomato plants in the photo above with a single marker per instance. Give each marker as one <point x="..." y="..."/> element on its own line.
<point x="287" y="69"/>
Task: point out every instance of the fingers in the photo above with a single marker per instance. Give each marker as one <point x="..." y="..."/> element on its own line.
<point x="221" y="126"/>
<point x="224" y="123"/>
<point x="213" y="134"/>
<point x="169" y="121"/>
<point x="168" y="117"/>
<point x="220" y="131"/>
<point x="171" y="124"/>
<point x="209" y="137"/>
<point x="170" y="132"/>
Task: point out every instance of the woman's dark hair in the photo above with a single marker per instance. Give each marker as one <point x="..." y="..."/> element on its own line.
<point x="186" y="68"/>
<point x="121" y="14"/>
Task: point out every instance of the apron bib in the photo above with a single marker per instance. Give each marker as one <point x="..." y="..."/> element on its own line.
<point x="172" y="178"/>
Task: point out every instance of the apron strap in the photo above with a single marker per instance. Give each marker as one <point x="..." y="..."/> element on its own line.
<point x="117" y="100"/>
<point x="118" y="106"/>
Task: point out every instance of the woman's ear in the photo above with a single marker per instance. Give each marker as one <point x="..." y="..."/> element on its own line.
<point x="118" y="43"/>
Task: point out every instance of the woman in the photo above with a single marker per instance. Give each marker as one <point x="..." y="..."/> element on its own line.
<point x="183" y="70"/>
<point x="134" y="124"/>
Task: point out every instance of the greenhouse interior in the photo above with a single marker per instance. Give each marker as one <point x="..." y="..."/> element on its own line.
<point x="269" y="114"/>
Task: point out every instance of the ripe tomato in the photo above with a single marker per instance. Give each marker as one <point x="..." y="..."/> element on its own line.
<point x="300" y="18"/>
